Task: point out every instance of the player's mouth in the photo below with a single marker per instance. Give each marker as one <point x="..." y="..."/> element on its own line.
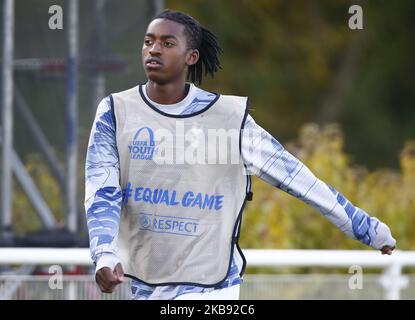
<point x="153" y="63"/>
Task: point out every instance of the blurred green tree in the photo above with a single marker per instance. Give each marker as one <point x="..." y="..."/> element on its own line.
<point x="277" y="220"/>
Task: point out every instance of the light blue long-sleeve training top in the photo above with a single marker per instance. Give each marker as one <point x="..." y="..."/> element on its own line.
<point x="263" y="156"/>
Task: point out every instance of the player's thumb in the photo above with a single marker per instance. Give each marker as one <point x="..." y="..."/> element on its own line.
<point x="119" y="273"/>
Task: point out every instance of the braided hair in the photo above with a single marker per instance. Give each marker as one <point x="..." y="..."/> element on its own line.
<point x="199" y="38"/>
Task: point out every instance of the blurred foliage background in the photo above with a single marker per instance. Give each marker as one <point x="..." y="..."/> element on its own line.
<point x="341" y="100"/>
<point x="277" y="220"/>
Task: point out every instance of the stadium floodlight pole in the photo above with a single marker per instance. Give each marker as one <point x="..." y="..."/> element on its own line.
<point x="154" y="7"/>
<point x="7" y="115"/>
<point x="99" y="52"/>
<point x="35" y="197"/>
<point x="37" y="134"/>
<point x="29" y="187"/>
<point x="72" y="116"/>
<point x="158" y="6"/>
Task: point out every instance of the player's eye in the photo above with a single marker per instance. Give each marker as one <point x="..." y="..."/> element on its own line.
<point x="168" y="44"/>
<point x="148" y="42"/>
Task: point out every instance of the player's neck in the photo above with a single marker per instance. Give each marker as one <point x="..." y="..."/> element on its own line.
<point x="169" y="93"/>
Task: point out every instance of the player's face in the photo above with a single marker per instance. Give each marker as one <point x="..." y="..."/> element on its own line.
<point x="165" y="53"/>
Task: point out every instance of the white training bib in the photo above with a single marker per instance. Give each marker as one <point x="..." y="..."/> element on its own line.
<point x="183" y="193"/>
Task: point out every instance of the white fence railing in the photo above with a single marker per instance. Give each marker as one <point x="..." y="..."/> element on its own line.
<point x="392" y="279"/>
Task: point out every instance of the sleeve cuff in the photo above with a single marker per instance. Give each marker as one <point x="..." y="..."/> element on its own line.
<point x="109" y="260"/>
<point x="383" y="237"/>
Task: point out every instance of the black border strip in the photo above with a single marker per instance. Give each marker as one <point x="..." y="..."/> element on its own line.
<point x="248" y="196"/>
<point x="113" y="112"/>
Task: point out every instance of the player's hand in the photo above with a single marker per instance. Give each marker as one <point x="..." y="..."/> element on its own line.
<point x="108" y="279"/>
<point x="387" y="250"/>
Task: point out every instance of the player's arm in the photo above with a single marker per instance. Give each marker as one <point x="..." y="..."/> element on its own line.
<point x="103" y="198"/>
<point x="266" y="158"/>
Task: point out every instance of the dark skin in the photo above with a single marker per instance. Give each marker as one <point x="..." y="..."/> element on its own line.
<point x="166" y="44"/>
<point x="387" y="250"/>
<point x="166" y="57"/>
<point x="108" y="279"/>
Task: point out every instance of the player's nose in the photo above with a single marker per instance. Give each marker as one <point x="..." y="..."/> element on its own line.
<point x="155" y="49"/>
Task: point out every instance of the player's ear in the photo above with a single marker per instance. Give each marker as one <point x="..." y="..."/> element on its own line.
<point x="192" y="57"/>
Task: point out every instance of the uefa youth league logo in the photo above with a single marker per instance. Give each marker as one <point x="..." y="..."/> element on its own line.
<point x="143" y="146"/>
